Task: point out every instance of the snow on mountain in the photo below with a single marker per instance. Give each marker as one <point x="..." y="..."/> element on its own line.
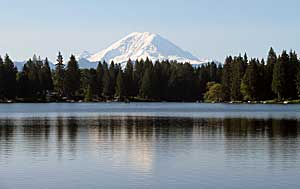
<point x="140" y="46"/>
<point x="84" y="55"/>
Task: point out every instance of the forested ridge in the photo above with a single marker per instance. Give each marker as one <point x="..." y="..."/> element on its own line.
<point x="239" y="79"/>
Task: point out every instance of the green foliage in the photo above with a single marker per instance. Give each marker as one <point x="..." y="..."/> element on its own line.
<point x="46" y="77"/>
<point x="35" y="79"/>
<point x="227" y="78"/>
<point x="120" y="87"/>
<point x="298" y="81"/>
<point x="88" y="97"/>
<point x="99" y="79"/>
<point x="279" y="75"/>
<point x="2" y="78"/>
<point x="238" y="67"/>
<point x="268" y="75"/>
<point x="89" y="80"/>
<point x="71" y="78"/>
<point x="129" y="85"/>
<point x="107" y="82"/>
<point x="9" y="78"/>
<point x="238" y="79"/>
<point x="59" y="75"/>
<point x="250" y="81"/>
<point x="147" y="85"/>
<point x="214" y="92"/>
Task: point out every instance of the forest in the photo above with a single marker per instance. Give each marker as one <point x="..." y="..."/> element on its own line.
<point x="239" y="79"/>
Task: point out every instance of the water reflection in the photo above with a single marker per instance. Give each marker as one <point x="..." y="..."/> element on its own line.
<point x="145" y="132"/>
<point x="147" y="145"/>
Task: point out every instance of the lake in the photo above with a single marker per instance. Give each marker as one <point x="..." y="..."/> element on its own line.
<point x="149" y="145"/>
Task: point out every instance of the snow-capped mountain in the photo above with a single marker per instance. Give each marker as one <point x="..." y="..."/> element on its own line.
<point x="140" y="46"/>
<point x="84" y="55"/>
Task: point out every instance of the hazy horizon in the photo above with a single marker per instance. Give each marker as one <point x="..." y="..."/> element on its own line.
<point x="207" y="29"/>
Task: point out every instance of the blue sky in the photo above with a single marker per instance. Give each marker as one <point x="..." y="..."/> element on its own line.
<point x="208" y="29"/>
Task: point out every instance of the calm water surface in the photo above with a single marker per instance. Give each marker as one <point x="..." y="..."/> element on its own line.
<point x="157" y="145"/>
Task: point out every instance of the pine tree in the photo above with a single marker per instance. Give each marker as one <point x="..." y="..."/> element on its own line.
<point x="157" y="80"/>
<point x="146" y="90"/>
<point x="92" y="82"/>
<point x="249" y="85"/>
<point x="32" y="70"/>
<point x="138" y="76"/>
<point x="128" y="80"/>
<point x="227" y="78"/>
<point x="2" y="79"/>
<point x="99" y="85"/>
<point x="120" y="88"/>
<point x="298" y="81"/>
<point x="237" y="74"/>
<point x="278" y="83"/>
<point x="59" y="75"/>
<point x="88" y="97"/>
<point x="46" y="79"/>
<point x="291" y="75"/>
<point x="9" y="83"/>
<point x="107" y="83"/>
<point x="112" y="75"/>
<point x="72" y="78"/>
<point x="164" y="79"/>
<point x="24" y="87"/>
<point x="268" y="75"/>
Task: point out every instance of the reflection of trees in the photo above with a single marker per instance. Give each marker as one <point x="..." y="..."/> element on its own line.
<point x="72" y="128"/>
<point x="273" y="139"/>
<point x="6" y="130"/>
<point x="6" y="137"/>
<point x="139" y="138"/>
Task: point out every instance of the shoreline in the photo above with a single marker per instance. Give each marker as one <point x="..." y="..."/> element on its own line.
<point x="147" y="101"/>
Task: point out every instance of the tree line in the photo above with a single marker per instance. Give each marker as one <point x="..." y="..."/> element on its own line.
<point x="238" y="79"/>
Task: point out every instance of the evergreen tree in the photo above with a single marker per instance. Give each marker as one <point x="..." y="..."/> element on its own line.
<point x="227" y="78"/>
<point x="88" y="78"/>
<point x="278" y="83"/>
<point x="107" y="83"/>
<point x="138" y="76"/>
<point x="93" y="82"/>
<point x="128" y="80"/>
<point x="2" y="79"/>
<point x="59" y="75"/>
<point x="237" y="74"/>
<point x="72" y="78"/>
<point x="120" y="88"/>
<point x="100" y="73"/>
<point x="146" y="90"/>
<point x="24" y="87"/>
<point x="203" y="78"/>
<point x="291" y="75"/>
<point x="112" y="76"/>
<point x="157" y="81"/>
<point x="88" y="97"/>
<point x="249" y="85"/>
<point x="268" y="75"/>
<point x="46" y="78"/>
<point x="9" y="75"/>
<point x="164" y="78"/>
<point x="298" y="81"/>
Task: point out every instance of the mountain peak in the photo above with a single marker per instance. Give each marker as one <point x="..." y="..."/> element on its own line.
<point x="84" y="55"/>
<point x="140" y="45"/>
